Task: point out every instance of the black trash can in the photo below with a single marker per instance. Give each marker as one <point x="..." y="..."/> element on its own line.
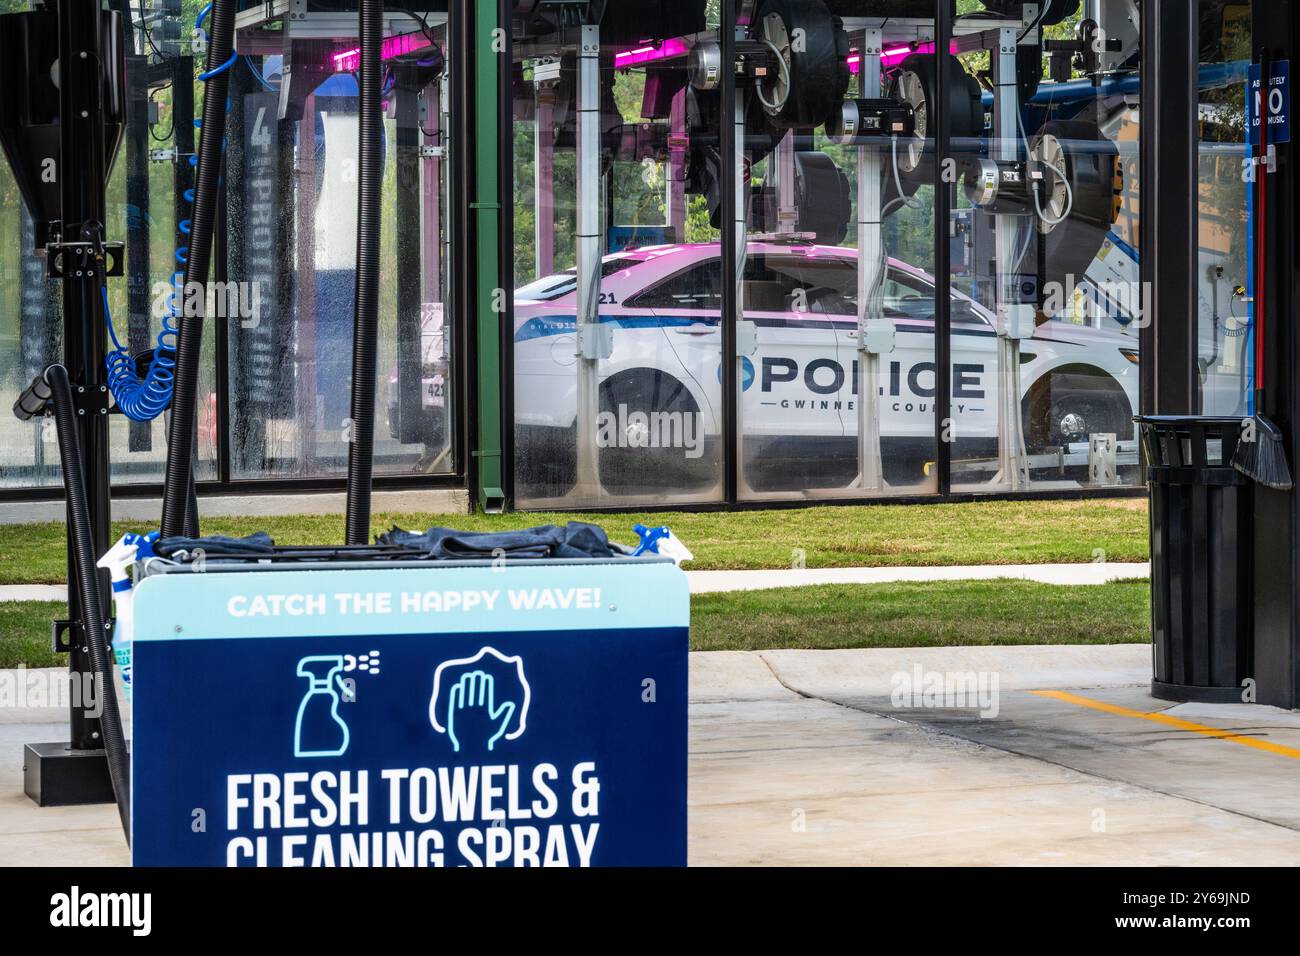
<point x="1201" y="553"/>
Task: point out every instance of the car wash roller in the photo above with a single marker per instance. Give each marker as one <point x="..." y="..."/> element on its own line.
<point x="794" y="61"/>
<point x="1082" y="198"/>
<point x="915" y="84"/>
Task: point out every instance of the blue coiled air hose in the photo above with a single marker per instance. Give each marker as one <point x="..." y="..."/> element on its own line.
<point x="144" y="399"/>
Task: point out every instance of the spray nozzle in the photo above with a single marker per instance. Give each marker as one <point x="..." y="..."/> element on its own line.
<point x="661" y="541"/>
<point x="118" y="559"/>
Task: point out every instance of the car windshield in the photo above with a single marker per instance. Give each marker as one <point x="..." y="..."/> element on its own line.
<point x="798" y="283"/>
<point x="562" y="283"/>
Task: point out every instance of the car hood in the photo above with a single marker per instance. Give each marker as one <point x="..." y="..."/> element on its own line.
<point x="1073" y="334"/>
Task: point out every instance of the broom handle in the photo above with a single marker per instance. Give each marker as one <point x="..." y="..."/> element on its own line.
<point x="1261" y="214"/>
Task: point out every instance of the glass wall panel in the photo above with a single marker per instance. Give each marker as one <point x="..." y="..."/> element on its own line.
<point x="1044" y="246"/>
<point x="293" y="236"/>
<point x="141" y="213"/>
<point x="31" y="337"/>
<point x="1224" y="238"/>
<point x="837" y="344"/>
<point x="618" y="270"/>
<point x="832" y="187"/>
<point x="280" y="305"/>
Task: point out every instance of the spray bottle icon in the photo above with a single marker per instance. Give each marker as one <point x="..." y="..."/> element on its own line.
<point x="319" y="730"/>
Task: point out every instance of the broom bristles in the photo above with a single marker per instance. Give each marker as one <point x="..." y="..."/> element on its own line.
<point x="1264" y="459"/>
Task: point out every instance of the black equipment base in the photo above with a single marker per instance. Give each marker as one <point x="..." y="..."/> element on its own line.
<point x="1189" y="694"/>
<point x="55" y="775"/>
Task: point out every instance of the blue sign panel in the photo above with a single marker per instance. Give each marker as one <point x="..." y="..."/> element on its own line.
<point x="1277" y="104"/>
<point x="461" y="716"/>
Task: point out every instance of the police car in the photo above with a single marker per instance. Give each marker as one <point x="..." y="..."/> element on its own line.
<point x="660" y="419"/>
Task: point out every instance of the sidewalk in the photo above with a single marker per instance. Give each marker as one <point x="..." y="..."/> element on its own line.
<point x="706" y="582"/>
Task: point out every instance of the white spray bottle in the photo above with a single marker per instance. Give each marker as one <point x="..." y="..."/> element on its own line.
<point x="663" y="542"/>
<point x="118" y="560"/>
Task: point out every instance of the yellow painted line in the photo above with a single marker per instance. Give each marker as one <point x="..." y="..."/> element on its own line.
<point x="1176" y="722"/>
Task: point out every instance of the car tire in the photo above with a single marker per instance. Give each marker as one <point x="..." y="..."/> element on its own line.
<point x="629" y="469"/>
<point x="1068" y="405"/>
<point x="545" y="461"/>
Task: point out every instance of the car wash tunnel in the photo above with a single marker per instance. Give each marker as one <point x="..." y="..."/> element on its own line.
<point x="605" y="255"/>
<point x="806" y="275"/>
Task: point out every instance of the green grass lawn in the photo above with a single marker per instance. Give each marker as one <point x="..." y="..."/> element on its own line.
<point x="922" y="614"/>
<point x="25" y="633"/>
<point x="986" y="532"/>
<point x="929" y="614"/>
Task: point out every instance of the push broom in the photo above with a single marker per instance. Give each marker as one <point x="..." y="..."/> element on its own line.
<point x="1262" y="456"/>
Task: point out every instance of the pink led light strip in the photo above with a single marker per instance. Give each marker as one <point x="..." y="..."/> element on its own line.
<point x="649" y="52"/>
<point x="400" y="45"/>
<point x="895" y="55"/>
<point x="674" y="48"/>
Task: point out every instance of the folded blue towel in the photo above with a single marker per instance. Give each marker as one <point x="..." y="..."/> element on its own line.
<point x="577" y="539"/>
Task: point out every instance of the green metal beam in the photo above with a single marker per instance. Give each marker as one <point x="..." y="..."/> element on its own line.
<point x="487" y="42"/>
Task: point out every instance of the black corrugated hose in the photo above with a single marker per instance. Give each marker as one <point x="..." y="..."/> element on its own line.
<point x="179" y="475"/>
<point x="365" y="323"/>
<point x="83" y="550"/>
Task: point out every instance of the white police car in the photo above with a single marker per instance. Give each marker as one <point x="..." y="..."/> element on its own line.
<point x="660" y="418"/>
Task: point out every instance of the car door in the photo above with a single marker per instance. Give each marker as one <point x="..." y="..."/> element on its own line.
<point x="686" y="306"/>
<point x="798" y="382"/>
<point x="908" y="408"/>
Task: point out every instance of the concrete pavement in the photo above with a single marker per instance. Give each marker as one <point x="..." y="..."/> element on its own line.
<point x="702" y="582"/>
<point x="34" y="592"/>
<point x="820" y="757"/>
<point x="808" y="758"/>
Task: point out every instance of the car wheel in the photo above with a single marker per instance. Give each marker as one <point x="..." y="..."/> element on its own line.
<point x="1074" y="419"/>
<point x="545" y="461"/>
<point x="1068" y="406"/>
<point x="652" y="436"/>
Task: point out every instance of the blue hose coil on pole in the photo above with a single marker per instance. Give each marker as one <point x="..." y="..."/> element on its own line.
<point x="143" y="400"/>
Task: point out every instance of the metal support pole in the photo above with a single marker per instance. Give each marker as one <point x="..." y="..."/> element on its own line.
<point x="82" y="172"/>
<point x="678" y="141"/>
<point x="442" y="179"/>
<point x="745" y="341"/>
<point x="875" y="332"/>
<point x="593" y="340"/>
<point x="431" y="135"/>
<point x="76" y="771"/>
<point x="407" y="215"/>
<point x="481" y="93"/>
<point x="945" y="425"/>
<point x="1014" y="320"/>
<point x="138" y="293"/>
<point x="787" y="210"/>
<point x="544" y="181"/>
<point x="732" y="308"/>
<point x="365" y="326"/>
